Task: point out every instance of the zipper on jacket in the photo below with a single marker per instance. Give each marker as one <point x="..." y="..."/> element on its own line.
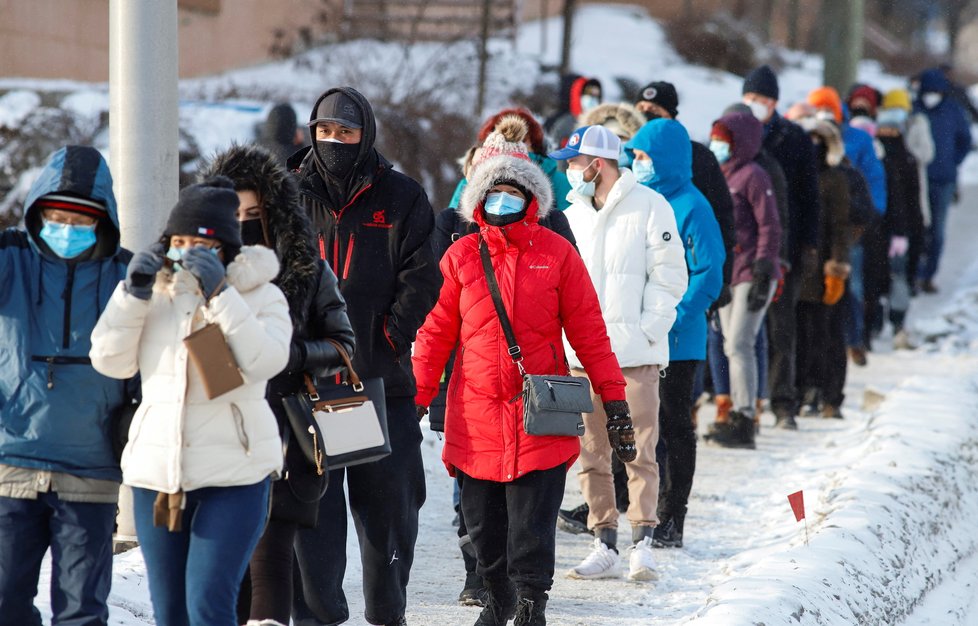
<point x="59" y="360"/>
<point x="691" y="248"/>
<point x="322" y="248"/>
<point x="239" y="425"/>
<point x="553" y="350"/>
<point x="349" y="256"/>
<point x="69" y="287"/>
<point x="390" y="341"/>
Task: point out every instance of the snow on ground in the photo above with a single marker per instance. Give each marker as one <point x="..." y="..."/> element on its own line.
<point x="889" y="490"/>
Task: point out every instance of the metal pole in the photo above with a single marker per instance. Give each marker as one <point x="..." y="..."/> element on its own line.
<point x="143" y="135"/>
<point x="565" y="51"/>
<point x="480" y="100"/>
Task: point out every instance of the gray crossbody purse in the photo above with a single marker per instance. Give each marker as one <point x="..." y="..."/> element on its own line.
<point x="552" y="405"/>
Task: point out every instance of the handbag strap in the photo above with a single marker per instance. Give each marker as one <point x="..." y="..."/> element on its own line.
<point x="497" y="300"/>
<point x="348" y="363"/>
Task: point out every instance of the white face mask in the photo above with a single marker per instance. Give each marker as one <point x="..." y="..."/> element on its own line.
<point x="583" y="187"/>
<point x="760" y="110"/>
<point x="931" y="99"/>
<point x="825" y="116"/>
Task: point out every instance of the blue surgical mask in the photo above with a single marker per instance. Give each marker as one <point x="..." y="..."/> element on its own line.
<point x="895" y="118"/>
<point x="67" y="240"/>
<point x="176" y="255"/>
<point x="588" y="102"/>
<point x="502" y="203"/>
<point x="721" y="150"/>
<point x="578" y="184"/>
<point x="644" y="171"/>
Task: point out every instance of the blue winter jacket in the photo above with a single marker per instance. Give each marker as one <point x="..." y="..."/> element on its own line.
<point x="667" y="143"/>
<point x="948" y="125"/>
<point x="55" y="409"/>
<point x="558" y="180"/>
<point x="862" y="153"/>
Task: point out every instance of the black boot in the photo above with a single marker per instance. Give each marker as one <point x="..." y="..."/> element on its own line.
<point x="500" y="604"/>
<point x="737" y="433"/>
<point x="474" y="592"/>
<point x="574" y="520"/>
<point x="531" y="608"/>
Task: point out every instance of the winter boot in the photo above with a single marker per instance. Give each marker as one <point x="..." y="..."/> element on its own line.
<point x="857" y="355"/>
<point x="474" y="592"/>
<point x="500" y="604"/>
<point x="758" y="410"/>
<point x="785" y="419"/>
<point x="667" y="535"/>
<point x="574" y="521"/>
<point x="736" y="433"/>
<point x="531" y="608"/>
<point x="831" y="412"/>
<point x="400" y="621"/>
<point x="724" y="406"/>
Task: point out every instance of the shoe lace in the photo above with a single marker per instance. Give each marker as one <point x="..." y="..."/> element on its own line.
<point x="524" y="610"/>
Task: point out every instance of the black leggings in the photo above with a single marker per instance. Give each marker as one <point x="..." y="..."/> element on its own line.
<point x="266" y="592"/>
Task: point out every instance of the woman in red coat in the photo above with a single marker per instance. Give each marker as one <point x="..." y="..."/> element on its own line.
<point x="512" y="482"/>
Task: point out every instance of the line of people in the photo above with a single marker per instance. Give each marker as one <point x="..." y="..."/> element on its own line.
<point x="654" y="265"/>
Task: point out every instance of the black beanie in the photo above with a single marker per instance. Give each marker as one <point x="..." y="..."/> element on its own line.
<point x="661" y="93"/>
<point x="207" y="209"/>
<point x="764" y="81"/>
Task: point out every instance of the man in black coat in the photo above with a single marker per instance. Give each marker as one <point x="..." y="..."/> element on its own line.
<point x="373" y="225"/>
<point x="660" y="100"/>
<point x="793" y="149"/>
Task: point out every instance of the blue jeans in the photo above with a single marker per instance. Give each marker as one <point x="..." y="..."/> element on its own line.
<point x="853" y="300"/>
<point x="941" y="195"/>
<point x="80" y="537"/>
<point x="195" y="574"/>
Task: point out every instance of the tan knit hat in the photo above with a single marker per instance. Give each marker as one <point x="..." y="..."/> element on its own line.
<point x="507" y="139"/>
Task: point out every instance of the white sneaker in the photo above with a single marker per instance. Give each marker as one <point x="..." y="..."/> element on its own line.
<point x="602" y="562"/>
<point x="901" y="341"/>
<point x="641" y="561"/>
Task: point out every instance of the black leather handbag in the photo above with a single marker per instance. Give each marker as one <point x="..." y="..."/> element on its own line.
<point x="552" y="405"/>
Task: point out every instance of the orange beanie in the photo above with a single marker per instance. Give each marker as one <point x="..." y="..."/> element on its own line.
<point x="827" y="98"/>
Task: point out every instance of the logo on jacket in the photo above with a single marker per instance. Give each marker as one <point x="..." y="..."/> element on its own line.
<point x="667" y="236"/>
<point x="379" y="220"/>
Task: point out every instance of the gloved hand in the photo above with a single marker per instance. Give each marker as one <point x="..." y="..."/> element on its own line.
<point x="207" y="269"/>
<point x="760" y="286"/>
<point x="836" y="274"/>
<point x="621" y="433"/>
<point x="722" y="300"/>
<point x="422" y="411"/>
<point x="297" y="356"/>
<point x="899" y="246"/>
<point x="142" y="270"/>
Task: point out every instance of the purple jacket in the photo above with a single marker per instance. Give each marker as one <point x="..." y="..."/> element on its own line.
<point x="756" y="221"/>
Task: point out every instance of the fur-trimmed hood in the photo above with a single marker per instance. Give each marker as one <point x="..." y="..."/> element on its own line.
<point x="253" y="267"/>
<point x="500" y="168"/>
<point x="287" y="223"/>
<point x="624" y="116"/>
<point x="829" y="133"/>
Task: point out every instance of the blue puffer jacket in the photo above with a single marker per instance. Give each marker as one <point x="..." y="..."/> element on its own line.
<point x="862" y="153"/>
<point x="948" y="125"/>
<point x="55" y="409"/>
<point x="667" y="142"/>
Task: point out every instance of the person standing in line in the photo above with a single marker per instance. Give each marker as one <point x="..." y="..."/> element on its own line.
<point x="373" y="225"/>
<point x="59" y="474"/>
<point x="735" y="140"/>
<point x="270" y="216"/>
<point x="952" y="142"/>
<point x="793" y="150"/>
<point x="631" y="246"/>
<point x="200" y="467"/>
<point x="663" y="162"/>
<point x="513" y="482"/>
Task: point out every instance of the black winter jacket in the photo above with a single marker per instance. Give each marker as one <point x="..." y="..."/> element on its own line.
<point x="709" y="179"/>
<point x="793" y="149"/>
<point x="903" y="187"/>
<point x="373" y="230"/>
<point x="316" y="307"/>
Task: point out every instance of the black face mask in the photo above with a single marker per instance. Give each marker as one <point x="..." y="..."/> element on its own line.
<point x="649" y="116"/>
<point x="860" y="112"/>
<point x="337" y="158"/>
<point x="252" y="233"/>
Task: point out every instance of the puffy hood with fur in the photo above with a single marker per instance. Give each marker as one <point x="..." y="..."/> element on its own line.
<point x="829" y="134"/>
<point x="622" y="116"/>
<point x="287" y="224"/>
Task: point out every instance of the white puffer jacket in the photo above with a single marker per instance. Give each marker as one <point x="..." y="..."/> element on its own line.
<point x="180" y="440"/>
<point x="635" y="256"/>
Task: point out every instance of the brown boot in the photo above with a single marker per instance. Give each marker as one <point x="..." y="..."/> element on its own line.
<point x="724" y="406"/>
<point x="758" y="409"/>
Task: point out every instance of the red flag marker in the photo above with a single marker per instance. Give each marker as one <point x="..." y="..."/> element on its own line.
<point x="797" y="502"/>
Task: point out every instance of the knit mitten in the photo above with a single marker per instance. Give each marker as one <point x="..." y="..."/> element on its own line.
<point x="621" y="433"/>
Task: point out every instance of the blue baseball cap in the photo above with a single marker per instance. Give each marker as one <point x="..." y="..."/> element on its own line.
<point x="596" y="141"/>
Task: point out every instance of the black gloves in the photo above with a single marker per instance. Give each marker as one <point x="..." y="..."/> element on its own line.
<point x="141" y="274"/>
<point x="722" y="300"/>
<point x="760" y="286"/>
<point x="207" y="268"/>
<point x="621" y="433"/>
<point x="422" y="411"/>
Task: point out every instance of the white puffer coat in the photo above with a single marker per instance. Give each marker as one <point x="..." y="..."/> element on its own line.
<point x="180" y="440"/>
<point x="635" y="256"/>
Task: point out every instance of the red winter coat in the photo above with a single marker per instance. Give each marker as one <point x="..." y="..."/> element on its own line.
<point x="546" y="289"/>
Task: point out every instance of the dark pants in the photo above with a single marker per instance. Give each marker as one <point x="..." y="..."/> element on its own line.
<point x="513" y="527"/>
<point x="677" y="439"/>
<point x="195" y="574"/>
<point x="782" y="339"/>
<point x="876" y="277"/>
<point x="385" y="497"/>
<point x="822" y="358"/>
<point x="941" y="196"/>
<point x="80" y="537"/>
<point x="266" y="592"/>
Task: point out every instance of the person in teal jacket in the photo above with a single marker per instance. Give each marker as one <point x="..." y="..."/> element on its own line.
<point x="663" y="161"/>
<point x="59" y="476"/>
<point x="538" y="154"/>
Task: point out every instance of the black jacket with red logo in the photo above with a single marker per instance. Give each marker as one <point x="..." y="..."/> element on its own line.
<point x="377" y="243"/>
